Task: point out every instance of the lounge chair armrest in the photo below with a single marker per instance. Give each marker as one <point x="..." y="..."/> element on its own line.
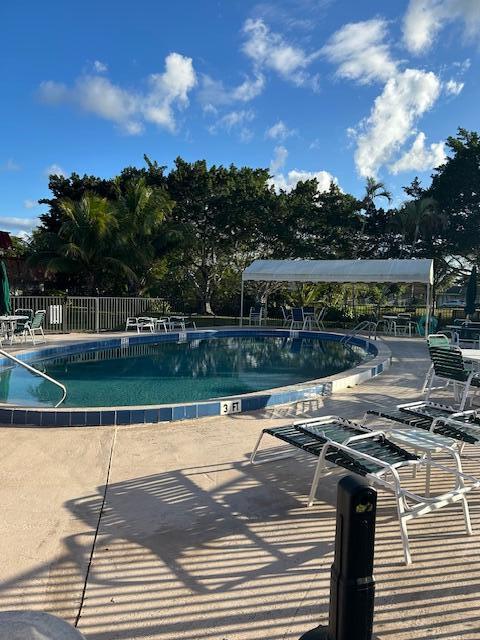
<point x="371" y="433"/>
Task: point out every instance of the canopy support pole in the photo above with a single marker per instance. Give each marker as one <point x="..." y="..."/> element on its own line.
<point x="427" y="318"/>
<point x="241" y="304"/>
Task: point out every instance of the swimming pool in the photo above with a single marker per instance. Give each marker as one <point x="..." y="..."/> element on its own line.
<point x="176" y="376"/>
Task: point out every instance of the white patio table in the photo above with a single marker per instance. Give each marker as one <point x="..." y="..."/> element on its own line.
<point x="471" y="354"/>
<point x="427" y="443"/>
<point x="11" y="322"/>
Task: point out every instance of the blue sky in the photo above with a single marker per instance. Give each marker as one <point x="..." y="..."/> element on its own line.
<point x="337" y="88"/>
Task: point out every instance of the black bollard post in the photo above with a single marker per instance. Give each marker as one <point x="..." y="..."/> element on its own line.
<point x="352" y="587"/>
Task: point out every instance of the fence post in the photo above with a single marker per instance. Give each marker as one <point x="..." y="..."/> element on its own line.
<point x="352" y="587"/>
<point x="97" y="315"/>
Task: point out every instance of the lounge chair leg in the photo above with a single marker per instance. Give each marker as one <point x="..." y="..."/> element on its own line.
<point x="403" y="530"/>
<point x="429" y="388"/>
<point x="255" y="449"/>
<point x="278" y="456"/>
<point x="466" y="515"/>
<point x="427" y="378"/>
<point x="428" y="472"/>
<point x="316" y="479"/>
<point x="464" y="398"/>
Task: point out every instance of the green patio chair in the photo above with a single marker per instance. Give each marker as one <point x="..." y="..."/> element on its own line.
<point x="434" y="340"/>
<point x="449" y="366"/>
<point x="34" y="328"/>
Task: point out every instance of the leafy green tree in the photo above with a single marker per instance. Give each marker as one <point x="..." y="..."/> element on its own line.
<point x="218" y="212"/>
<point x="456" y="188"/>
<point x="315" y="224"/>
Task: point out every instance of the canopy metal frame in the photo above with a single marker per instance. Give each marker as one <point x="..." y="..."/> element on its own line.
<point x="399" y="271"/>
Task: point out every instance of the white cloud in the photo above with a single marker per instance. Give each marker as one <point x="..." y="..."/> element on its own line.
<point x="30" y="204"/>
<point x="235" y="121"/>
<point x="10" y="165"/>
<point x="420" y="158"/>
<point x="14" y="225"/>
<point x="360" y="51"/>
<point x="249" y="89"/>
<point x="269" y="50"/>
<point x="55" y="170"/>
<point x="127" y="109"/>
<point x="403" y="100"/>
<point x="168" y="89"/>
<point x="292" y="178"/>
<point x="279" y="131"/>
<point x="213" y="92"/>
<point x="454" y="87"/>
<point x="279" y="159"/>
<point x="424" y="20"/>
<point x="100" y="67"/>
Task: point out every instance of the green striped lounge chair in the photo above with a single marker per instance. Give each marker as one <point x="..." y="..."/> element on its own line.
<point x="445" y="420"/>
<point x="338" y="443"/>
<point x="449" y="367"/>
<point x="434" y="340"/>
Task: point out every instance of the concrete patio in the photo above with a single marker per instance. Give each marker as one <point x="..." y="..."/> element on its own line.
<point x="166" y="531"/>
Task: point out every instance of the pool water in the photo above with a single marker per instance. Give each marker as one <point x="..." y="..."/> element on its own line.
<point x="171" y="372"/>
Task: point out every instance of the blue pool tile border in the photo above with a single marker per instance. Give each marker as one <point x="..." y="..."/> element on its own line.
<point x="112" y="416"/>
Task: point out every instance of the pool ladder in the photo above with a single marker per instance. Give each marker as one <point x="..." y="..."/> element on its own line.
<point x="38" y="373"/>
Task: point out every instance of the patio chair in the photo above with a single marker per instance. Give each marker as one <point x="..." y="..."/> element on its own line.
<point x="434" y="340"/>
<point x="342" y="443"/>
<point x="465" y="331"/>
<point x="298" y="318"/>
<point x="140" y="324"/>
<point x="19" y="328"/>
<point x="256" y="315"/>
<point x="34" y="327"/>
<point x="286" y="316"/>
<point x="24" y="312"/>
<point x="405" y="325"/>
<point x="449" y="366"/>
<point x="319" y="317"/>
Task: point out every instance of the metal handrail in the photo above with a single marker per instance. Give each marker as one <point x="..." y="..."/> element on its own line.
<point x="38" y="372"/>
<point x="368" y="325"/>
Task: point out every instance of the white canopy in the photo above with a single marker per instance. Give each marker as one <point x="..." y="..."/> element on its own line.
<point x="401" y="271"/>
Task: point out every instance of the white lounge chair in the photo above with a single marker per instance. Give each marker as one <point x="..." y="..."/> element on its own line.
<point x="140" y="324"/>
<point x="341" y="443"/>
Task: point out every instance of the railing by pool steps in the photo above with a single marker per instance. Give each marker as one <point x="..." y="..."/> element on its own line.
<point x="368" y="327"/>
<point x="37" y="372"/>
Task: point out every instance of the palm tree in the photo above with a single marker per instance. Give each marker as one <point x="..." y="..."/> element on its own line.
<point x="417" y="218"/>
<point x="85" y="243"/>
<point x="140" y="212"/>
<point x="373" y="190"/>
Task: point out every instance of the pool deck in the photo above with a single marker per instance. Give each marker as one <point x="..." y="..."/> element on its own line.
<point x="166" y="531"/>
